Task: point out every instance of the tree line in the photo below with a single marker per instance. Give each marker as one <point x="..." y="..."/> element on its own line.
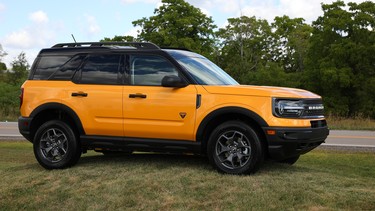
<point x="334" y="56"/>
<point x="10" y="81"/>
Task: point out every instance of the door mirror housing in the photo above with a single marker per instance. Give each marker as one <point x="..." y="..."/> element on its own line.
<point x="173" y="81"/>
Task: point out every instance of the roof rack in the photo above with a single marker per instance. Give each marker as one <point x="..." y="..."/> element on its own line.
<point x="138" y="45"/>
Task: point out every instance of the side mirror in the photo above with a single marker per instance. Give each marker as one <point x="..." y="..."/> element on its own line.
<point x="173" y="81"/>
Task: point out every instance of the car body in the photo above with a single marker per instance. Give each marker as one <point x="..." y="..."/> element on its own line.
<point x="137" y="97"/>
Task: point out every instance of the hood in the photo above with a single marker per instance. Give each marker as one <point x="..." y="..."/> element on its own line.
<point x="263" y="91"/>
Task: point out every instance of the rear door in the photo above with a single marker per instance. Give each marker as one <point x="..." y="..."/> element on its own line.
<point x="96" y="94"/>
<point x="153" y="111"/>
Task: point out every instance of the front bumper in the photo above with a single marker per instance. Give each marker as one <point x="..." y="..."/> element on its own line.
<point x="290" y="142"/>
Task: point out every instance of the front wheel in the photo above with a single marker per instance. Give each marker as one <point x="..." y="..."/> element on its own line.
<point x="56" y="145"/>
<point x="234" y="148"/>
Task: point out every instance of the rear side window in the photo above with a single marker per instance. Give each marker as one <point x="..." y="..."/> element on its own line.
<point x="57" y="67"/>
<point x="48" y="65"/>
<point x="101" y="69"/>
<point x="67" y="71"/>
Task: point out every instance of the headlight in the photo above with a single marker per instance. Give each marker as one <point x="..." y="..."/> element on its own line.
<point x="298" y="108"/>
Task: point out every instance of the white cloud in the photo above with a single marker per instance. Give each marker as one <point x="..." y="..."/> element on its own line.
<point x="220" y="5"/>
<point x="39" y="17"/>
<point x="40" y="33"/>
<point x="133" y="32"/>
<point x="2" y="7"/>
<point x="36" y="35"/>
<point x="20" y="39"/>
<point x="92" y="26"/>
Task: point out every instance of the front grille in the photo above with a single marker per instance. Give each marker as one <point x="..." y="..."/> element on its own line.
<point x="313" y="113"/>
<point x="313" y="108"/>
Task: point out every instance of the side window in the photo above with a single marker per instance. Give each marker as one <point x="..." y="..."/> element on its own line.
<point x="101" y="69"/>
<point x="48" y="65"/>
<point x="67" y="71"/>
<point x="149" y="70"/>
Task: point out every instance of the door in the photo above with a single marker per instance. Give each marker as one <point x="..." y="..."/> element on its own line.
<point x="96" y="95"/>
<point x="153" y="111"/>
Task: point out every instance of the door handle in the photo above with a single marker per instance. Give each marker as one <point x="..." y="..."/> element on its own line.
<point x="137" y="95"/>
<point x="79" y="94"/>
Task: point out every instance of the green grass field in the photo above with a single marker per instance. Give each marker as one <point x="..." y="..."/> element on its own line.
<point x="320" y="180"/>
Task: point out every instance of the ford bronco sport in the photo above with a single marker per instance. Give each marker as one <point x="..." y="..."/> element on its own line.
<point x="138" y="97"/>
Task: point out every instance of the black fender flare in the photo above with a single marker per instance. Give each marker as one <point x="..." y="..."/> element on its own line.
<point x="225" y="111"/>
<point x="60" y="107"/>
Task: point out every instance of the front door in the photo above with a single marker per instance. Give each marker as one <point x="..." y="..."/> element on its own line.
<point x="153" y="111"/>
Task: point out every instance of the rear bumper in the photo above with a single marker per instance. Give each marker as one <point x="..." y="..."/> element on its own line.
<point x="289" y="142"/>
<point x="24" y="127"/>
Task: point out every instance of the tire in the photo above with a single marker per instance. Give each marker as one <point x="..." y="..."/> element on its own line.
<point x="234" y="148"/>
<point x="290" y="161"/>
<point x="56" y="145"/>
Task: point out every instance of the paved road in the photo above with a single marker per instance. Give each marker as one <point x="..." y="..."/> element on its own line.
<point x="341" y="138"/>
<point x="9" y="129"/>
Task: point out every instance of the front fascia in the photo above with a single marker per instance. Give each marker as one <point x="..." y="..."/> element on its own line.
<point x="291" y="137"/>
<point x="261" y="105"/>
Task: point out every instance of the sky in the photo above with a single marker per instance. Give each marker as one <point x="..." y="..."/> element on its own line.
<point x="30" y="25"/>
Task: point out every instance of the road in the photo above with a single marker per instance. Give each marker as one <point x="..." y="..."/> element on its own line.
<point x="340" y="138"/>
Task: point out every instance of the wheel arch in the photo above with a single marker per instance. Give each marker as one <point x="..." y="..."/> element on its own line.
<point x="216" y="117"/>
<point x="49" y="111"/>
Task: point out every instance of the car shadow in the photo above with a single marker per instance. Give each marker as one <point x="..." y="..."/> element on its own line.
<point x="161" y="160"/>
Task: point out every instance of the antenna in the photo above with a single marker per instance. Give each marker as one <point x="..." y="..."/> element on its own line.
<point x="74" y="38"/>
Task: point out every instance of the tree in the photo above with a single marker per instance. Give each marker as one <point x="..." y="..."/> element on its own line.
<point x="341" y="59"/>
<point x="19" y="71"/>
<point x="119" y="39"/>
<point x="291" y="43"/>
<point x="244" y="46"/>
<point x="178" y="24"/>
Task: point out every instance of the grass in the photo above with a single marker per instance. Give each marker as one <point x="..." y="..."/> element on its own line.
<point x="320" y="180"/>
<point x="355" y="123"/>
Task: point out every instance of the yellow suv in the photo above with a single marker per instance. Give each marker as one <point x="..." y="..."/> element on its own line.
<point x="113" y="97"/>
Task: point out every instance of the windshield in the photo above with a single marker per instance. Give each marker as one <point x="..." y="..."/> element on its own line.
<point x="201" y="69"/>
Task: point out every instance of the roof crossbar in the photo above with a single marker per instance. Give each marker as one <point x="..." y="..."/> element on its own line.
<point x="138" y="45"/>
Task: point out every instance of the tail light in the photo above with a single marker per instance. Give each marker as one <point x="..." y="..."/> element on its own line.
<point x="21" y="97"/>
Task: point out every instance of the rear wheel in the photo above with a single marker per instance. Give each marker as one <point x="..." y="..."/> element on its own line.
<point x="56" y="145"/>
<point x="235" y="148"/>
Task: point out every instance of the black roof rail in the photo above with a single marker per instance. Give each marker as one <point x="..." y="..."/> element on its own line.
<point x="138" y="45"/>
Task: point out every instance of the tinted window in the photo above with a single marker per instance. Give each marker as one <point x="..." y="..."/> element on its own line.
<point x="101" y="69"/>
<point x="149" y="70"/>
<point x="67" y="71"/>
<point x="48" y="65"/>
